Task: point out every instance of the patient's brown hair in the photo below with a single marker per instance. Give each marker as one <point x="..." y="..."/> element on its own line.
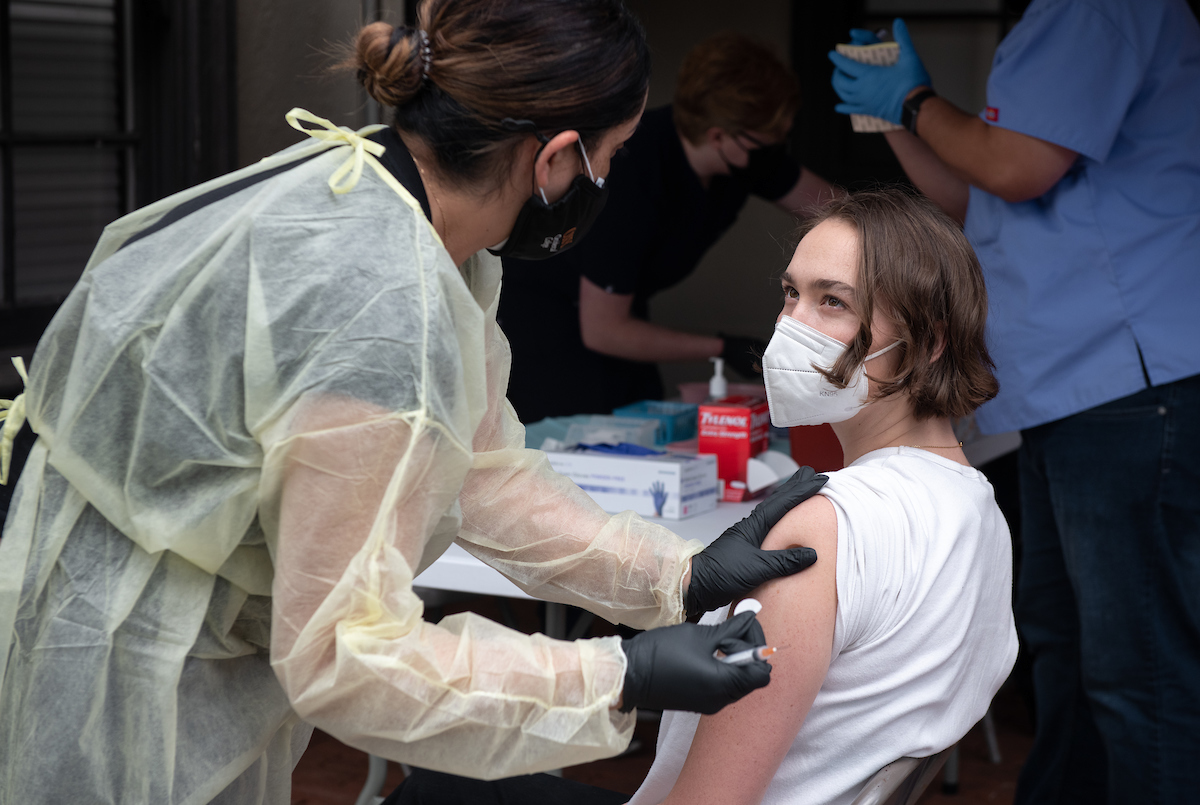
<point x="916" y="266"/>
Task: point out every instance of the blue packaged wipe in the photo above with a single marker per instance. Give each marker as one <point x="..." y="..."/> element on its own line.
<point x="677" y="419"/>
<point x="622" y="449"/>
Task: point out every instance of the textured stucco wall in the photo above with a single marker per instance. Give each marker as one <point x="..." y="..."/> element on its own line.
<point x="285" y="51"/>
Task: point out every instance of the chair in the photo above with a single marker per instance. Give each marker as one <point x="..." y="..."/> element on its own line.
<point x="376" y="775"/>
<point x="950" y="777"/>
<point x="901" y="782"/>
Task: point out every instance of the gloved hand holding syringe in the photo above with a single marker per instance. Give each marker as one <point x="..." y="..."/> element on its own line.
<point x="672" y="667"/>
<point x="750" y="654"/>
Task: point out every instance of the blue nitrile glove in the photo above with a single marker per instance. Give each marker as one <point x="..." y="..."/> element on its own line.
<point x="673" y="667"/>
<point x="735" y="563"/>
<point x="861" y="36"/>
<point x="866" y="89"/>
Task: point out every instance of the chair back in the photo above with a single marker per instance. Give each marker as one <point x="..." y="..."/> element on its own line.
<point x="903" y="781"/>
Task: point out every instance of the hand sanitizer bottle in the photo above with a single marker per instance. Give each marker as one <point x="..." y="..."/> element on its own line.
<point x="718" y="389"/>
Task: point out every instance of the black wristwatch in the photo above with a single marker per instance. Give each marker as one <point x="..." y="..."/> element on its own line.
<point x="908" y="115"/>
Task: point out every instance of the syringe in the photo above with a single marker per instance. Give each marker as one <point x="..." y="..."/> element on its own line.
<point x="749" y="655"/>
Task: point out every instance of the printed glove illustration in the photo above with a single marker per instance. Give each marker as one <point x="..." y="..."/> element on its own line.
<point x="660" y="495"/>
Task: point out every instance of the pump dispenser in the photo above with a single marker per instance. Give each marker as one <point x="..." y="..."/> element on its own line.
<point x="718" y="388"/>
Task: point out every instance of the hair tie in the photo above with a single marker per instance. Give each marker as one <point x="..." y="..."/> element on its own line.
<point x="426" y="54"/>
<point x="398" y="33"/>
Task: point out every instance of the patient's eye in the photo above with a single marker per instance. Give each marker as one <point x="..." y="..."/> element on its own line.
<point x="790" y="294"/>
<point x="832" y="301"/>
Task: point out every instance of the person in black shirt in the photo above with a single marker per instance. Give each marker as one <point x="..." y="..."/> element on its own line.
<point x="577" y="322"/>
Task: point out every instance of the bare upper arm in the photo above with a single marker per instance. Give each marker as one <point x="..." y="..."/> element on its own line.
<point x="808" y="192"/>
<point x="1025" y="167"/>
<point x="600" y="311"/>
<point x="799" y="612"/>
<point x="1008" y="164"/>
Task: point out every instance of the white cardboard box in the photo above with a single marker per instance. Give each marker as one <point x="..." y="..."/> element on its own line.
<point x="686" y="485"/>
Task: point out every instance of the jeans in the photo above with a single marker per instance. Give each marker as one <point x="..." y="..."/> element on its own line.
<point x="1108" y="600"/>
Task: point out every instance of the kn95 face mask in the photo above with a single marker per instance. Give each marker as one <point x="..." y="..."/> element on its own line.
<point x="797" y="393"/>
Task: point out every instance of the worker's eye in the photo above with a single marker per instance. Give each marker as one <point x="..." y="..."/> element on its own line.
<point x="832" y="301"/>
<point x="790" y="294"/>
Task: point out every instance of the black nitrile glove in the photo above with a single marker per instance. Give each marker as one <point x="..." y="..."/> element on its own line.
<point x="673" y="668"/>
<point x="736" y="563"/>
<point x="743" y="355"/>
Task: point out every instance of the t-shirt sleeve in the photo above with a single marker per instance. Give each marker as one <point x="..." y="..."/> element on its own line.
<point x="773" y="174"/>
<point x="1066" y="74"/>
<point x="611" y="254"/>
<point x="869" y="561"/>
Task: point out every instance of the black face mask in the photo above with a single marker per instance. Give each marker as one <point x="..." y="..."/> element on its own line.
<point x="758" y="158"/>
<point x="543" y="230"/>
<point x="767" y="154"/>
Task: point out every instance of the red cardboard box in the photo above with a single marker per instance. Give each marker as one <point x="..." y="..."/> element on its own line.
<point x="734" y="429"/>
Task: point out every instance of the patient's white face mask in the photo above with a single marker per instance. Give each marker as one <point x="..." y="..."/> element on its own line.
<point x="797" y="393"/>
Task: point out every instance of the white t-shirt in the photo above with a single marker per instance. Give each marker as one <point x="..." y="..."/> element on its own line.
<point x="924" y="634"/>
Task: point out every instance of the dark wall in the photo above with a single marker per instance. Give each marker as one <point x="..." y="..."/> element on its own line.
<point x="185" y="71"/>
<point x="822" y="135"/>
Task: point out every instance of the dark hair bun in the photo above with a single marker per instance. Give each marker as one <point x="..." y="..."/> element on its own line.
<point x="388" y="62"/>
<point x="466" y="65"/>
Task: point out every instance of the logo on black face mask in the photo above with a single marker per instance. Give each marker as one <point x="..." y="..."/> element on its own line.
<point x="569" y="218"/>
<point x="556" y="242"/>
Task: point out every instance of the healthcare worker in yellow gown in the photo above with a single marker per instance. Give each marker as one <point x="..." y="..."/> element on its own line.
<point x="272" y="400"/>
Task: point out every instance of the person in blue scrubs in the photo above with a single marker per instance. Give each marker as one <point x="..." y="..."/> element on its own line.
<point x="1079" y="186"/>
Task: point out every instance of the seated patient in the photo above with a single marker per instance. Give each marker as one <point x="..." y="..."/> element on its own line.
<point x="896" y="640"/>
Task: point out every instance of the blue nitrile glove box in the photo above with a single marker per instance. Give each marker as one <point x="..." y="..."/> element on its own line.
<point x="678" y="419"/>
<point x="667" y="485"/>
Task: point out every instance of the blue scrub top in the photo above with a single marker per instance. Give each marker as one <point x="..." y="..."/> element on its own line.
<point x="1106" y="265"/>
